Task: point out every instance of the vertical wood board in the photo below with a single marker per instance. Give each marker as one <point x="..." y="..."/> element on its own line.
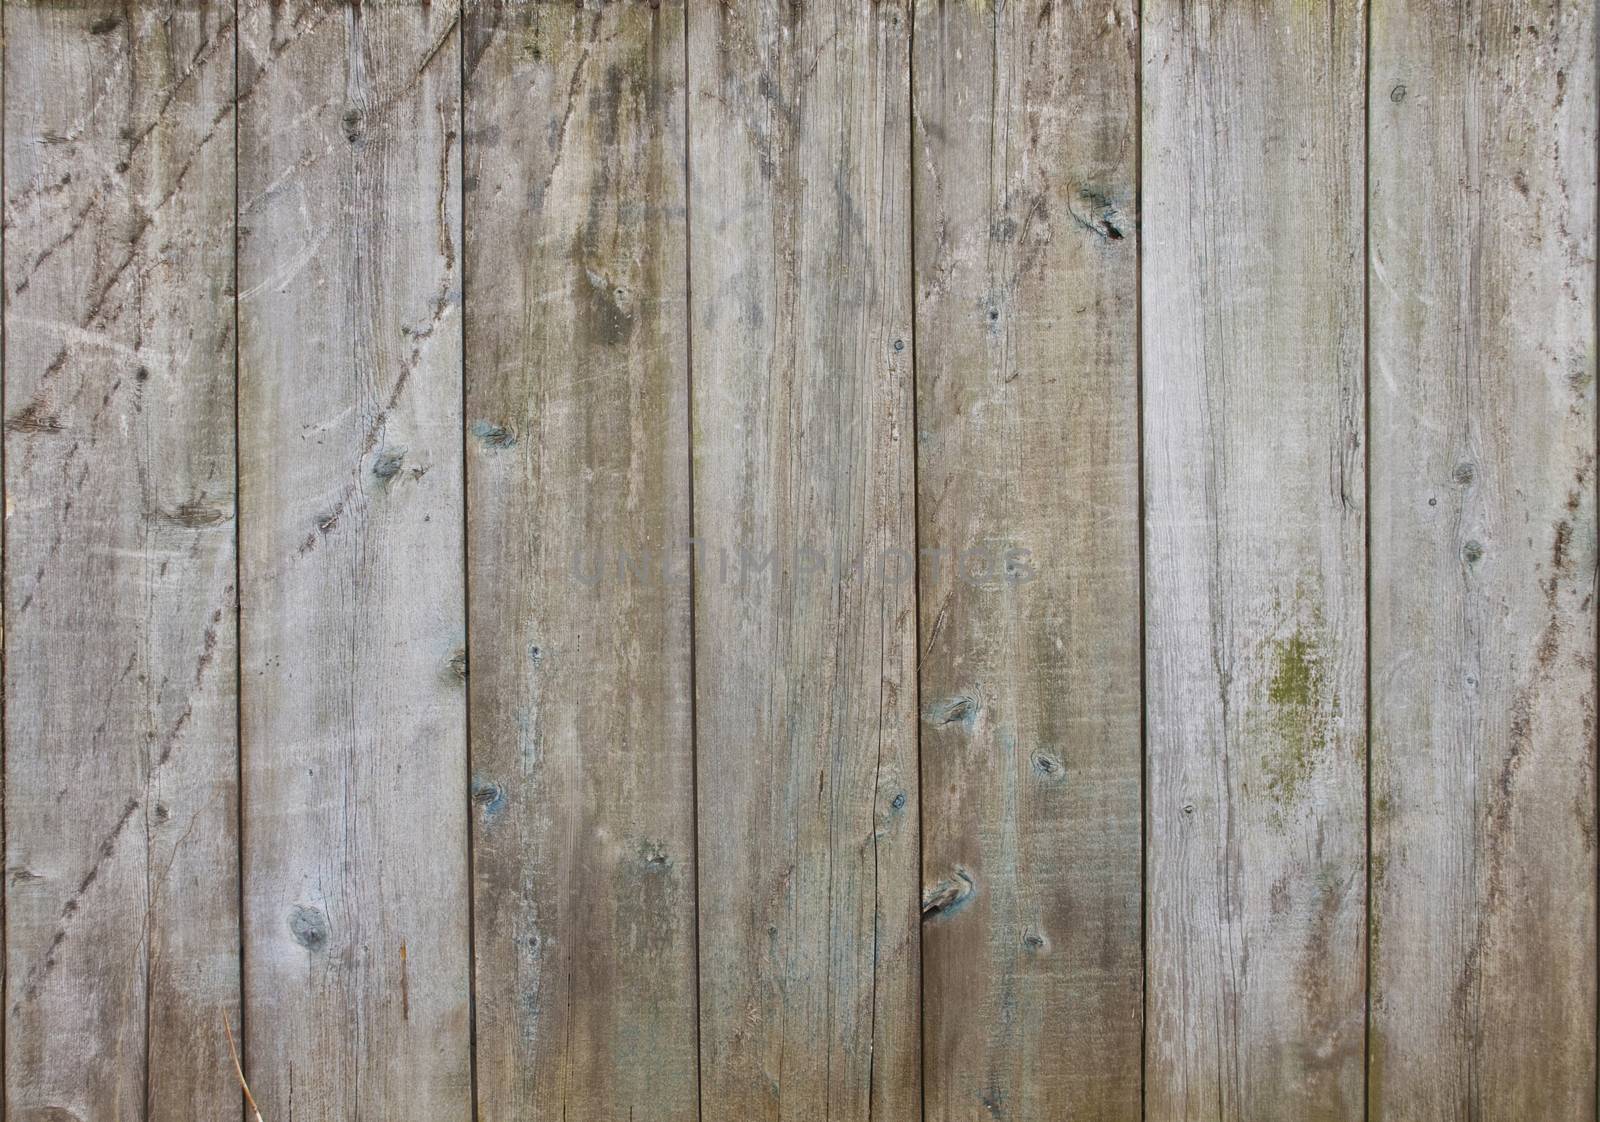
<point x="121" y="766"/>
<point x="1482" y="276"/>
<point x="1025" y="159"/>
<point x="578" y="468"/>
<point x="353" y="613"/>
<point x="800" y="327"/>
<point x="1255" y="591"/>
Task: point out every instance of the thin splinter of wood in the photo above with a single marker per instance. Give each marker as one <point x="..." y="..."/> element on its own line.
<point x="238" y="1070"/>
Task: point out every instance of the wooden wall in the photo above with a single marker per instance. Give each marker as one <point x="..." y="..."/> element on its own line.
<point x="775" y="560"/>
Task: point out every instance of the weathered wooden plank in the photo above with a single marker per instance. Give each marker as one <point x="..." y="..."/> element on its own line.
<point x="353" y="617"/>
<point x="121" y="764"/>
<point x="578" y="460"/>
<point x="1482" y="280"/>
<point x="1025" y="158"/>
<point x="800" y="324"/>
<point x="1255" y="566"/>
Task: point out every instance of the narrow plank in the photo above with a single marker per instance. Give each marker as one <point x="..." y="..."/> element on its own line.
<point x="353" y="610"/>
<point x="1482" y="275"/>
<point x="1255" y="560"/>
<point x="121" y="760"/>
<point x="577" y="414"/>
<point x="800" y="324"/>
<point x="1025" y="160"/>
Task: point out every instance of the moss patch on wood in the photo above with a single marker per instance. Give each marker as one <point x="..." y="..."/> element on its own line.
<point x="1299" y="715"/>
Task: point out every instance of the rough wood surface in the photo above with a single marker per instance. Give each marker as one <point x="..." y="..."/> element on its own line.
<point x="578" y="465"/>
<point x="800" y="324"/>
<point x="121" y="873"/>
<point x="353" y="614"/>
<point x="1025" y="157"/>
<point x="1254" y="546"/>
<point x="543" y="307"/>
<point x="1483" y="560"/>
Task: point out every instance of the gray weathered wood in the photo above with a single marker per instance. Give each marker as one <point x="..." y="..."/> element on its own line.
<point x="801" y="309"/>
<point x="1025" y="156"/>
<point x="1482" y="276"/>
<point x="1254" y="545"/>
<point x="121" y="769"/>
<point x="577" y="416"/>
<point x="353" y="620"/>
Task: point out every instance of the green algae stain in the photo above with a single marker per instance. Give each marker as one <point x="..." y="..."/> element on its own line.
<point x="1380" y="871"/>
<point x="1298" y="717"/>
<point x="1296" y="676"/>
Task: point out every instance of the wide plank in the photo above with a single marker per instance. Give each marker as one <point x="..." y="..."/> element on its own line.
<point x="1025" y="159"/>
<point x="120" y="766"/>
<point x="353" y="607"/>
<point x="578" y="470"/>
<point x="1255" y="597"/>
<point x="805" y="667"/>
<point x="1482" y="280"/>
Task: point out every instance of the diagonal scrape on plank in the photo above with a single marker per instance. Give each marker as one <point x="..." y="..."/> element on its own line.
<point x="1483" y="560"/>
<point x="357" y="954"/>
<point x="121" y="846"/>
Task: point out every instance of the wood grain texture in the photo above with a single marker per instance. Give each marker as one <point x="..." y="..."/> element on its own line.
<point x="578" y="463"/>
<point x="544" y="308"/>
<point x="1254" y="546"/>
<point x="121" y="766"/>
<point x="800" y="324"/>
<point x="353" y="615"/>
<point x="1025" y="157"/>
<point x="1482" y="275"/>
